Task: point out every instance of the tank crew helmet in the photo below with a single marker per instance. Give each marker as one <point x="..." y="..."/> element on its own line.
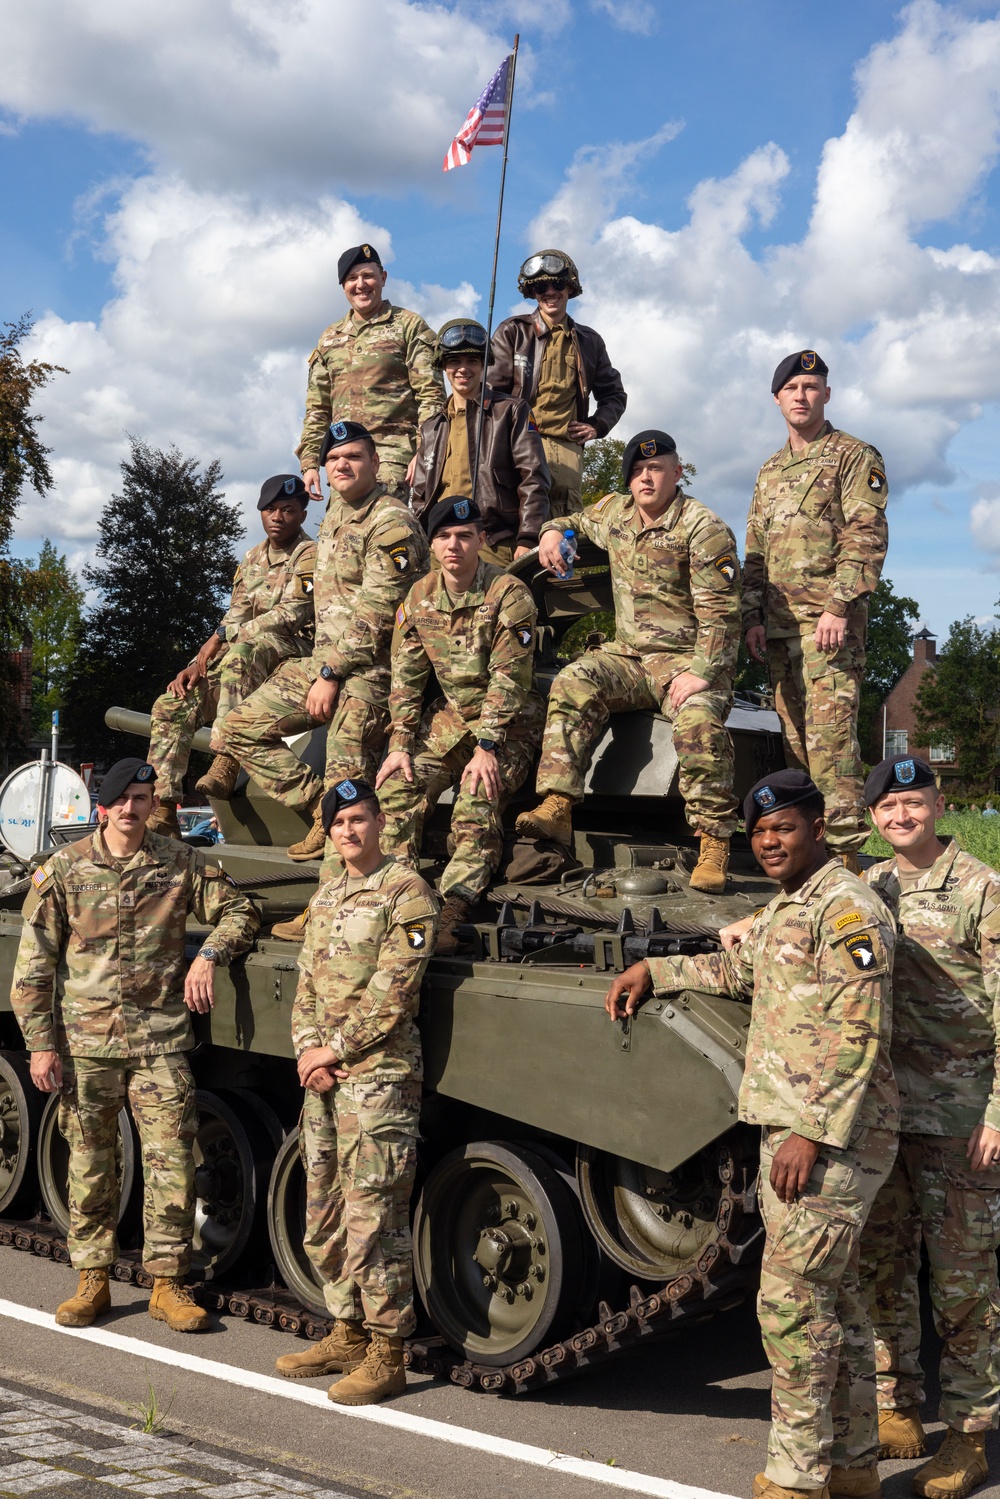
<point x="121" y="776"/>
<point x="785" y="788"/>
<point x="453" y="510"/>
<point x="282" y="487"/>
<point x="805" y="362"/>
<point x="357" y="255"/>
<point x="339" y="433"/>
<point x="648" y="444"/>
<point x="549" y="265"/>
<point x="461" y="335"/>
<point x="897" y="773"/>
<point x="345" y="793"/>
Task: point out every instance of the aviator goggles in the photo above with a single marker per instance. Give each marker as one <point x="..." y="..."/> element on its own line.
<point x="547" y="264"/>
<point x="463" y="336"/>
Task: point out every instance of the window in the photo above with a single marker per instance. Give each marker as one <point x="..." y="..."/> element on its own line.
<point x="942" y="754"/>
<point x="895" y="742"/>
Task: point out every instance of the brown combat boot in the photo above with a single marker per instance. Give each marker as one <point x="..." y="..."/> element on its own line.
<point x="456" y="911"/>
<point x="709" y="874"/>
<point x="220" y="778"/>
<point x="92" y="1298"/>
<point x="552" y="818"/>
<point x="313" y="845"/>
<point x="957" y="1467"/>
<point x="172" y="1303"/>
<point x="901" y="1432"/>
<point x="164" y="820"/>
<point x="763" y="1488"/>
<point x="381" y="1376"/>
<point x="292" y="931"/>
<point x="340" y="1351"/>
<point x="851" y="862"/>
<point x="856" y="1483"/>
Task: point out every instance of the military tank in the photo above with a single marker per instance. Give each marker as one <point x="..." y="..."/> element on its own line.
<point x="583" y="1186"/>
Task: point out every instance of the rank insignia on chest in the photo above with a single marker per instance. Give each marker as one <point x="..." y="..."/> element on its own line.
<point x="416" y="934"/>
<point x="523" y="634"/>
<point x="400" y="558"/>
<point x="876" y="480"/>
<point x="862" y="951"/>
<point x="726" y="565"/>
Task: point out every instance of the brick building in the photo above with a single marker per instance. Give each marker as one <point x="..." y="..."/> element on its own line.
<point x="897" y="727"/>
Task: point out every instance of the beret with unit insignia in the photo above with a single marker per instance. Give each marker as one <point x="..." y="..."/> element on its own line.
<point x="340" y="432"/>
<point x="897" y="773"/>
<point x="122" y="775"/>
<point x="648" y="444"/>
<point x="453" y="510"/>
<point x="357" y="255"/>
<point x="785" y="788"/>
<point x="344" y="794"/>
<point x="805" y="362"/>
<point x="282" y="487"/>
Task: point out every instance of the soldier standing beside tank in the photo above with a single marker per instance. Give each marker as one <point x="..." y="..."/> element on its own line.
<point x="269" y="619"/>
<point x="512" y="486"/>
<point x="374" y="367"/>
<point x="676" y="584"/>
<point x="816" y="962"/>
<point x="816" y="542"/>
<point x="473" y="627"/>
<point x="371" y="931"/>
<point x="100" y="993"/>
<point x="556" y="365"/>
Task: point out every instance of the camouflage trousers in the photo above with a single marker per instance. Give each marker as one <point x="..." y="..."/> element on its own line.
<point x="565" y="461"/>
<point x="932" y="1195"/>
<point x="476" y="822"/>
<point x="254" y="734"/>
<point x="582" y="699"/>
<point x="817" y="697"/>
<point x="359" y="1148"/>
<point x="160" y="1091"/>
<point x="392" y="466"/>
<point x="813" y="1314"/>
<point x="231" y="678"/>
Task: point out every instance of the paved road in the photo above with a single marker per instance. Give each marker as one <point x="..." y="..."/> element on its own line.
<point x="693" y="1410"/>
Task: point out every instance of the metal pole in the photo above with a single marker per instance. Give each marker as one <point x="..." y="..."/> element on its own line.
<point x="43" y="786"/>
<point x="55" y="735"/>
<point x="496" y="253"/>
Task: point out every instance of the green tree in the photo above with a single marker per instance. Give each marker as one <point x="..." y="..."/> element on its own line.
<point x="53" y="601"/>
<point x="958" y="701"/>
<point x="889" y="651"/>
<point x="164" y="569"/>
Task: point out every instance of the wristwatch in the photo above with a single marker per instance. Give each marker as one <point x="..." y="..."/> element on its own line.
<point x="221" y="632"/>
<point x="328" y="674"/>
<point x="487" y="744"/>
<point x="210" y="954"/>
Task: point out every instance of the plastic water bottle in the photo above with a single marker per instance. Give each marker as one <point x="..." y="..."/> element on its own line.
<point x="567" y="551"/>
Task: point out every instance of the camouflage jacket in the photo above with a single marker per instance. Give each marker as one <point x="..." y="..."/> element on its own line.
<point x="369" y="554"/>
<point x="272" y="592"/>
<point x="946" y="993"/>
<point x="676" y="584"/>
<point x="100" y="967"/>
<point x="378" y="371"/>
<point x="480" y="648"/>
<point x="360" y="971"/>
<point x="816" y="534"/>
<point x="817" y="964"/>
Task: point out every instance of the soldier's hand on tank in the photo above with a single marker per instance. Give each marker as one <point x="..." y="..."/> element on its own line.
<point x="757" y="643"/>
<point x="732" y="935"/>
<point x="983" y="1148"/>
<point x="635" y="983"/>
<point x="46" y="1071"/>
<point x="791" y="1167"/>
<point x="322" y="700"/>
<point x="184" y="681"/>
<point x="199" y="986"/>
<point x="311" y="480"/>
<point x="683" y="686"/>
<point x="831" y="632"/>
<point x="483" y="770"/>
<point x="394" y="762"/>
<point x="581" y="432"/>
<point x="549" y="554"/>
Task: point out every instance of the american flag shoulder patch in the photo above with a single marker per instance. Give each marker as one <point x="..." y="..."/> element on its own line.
<point x="41" y="875"/>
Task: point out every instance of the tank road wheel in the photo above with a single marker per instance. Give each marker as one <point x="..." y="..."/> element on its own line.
<point x="53" y="1164"/>
<point x="498" y="1252"/>
<point x="21" y="1107"/>
<point x="233" y="1153"/>
<point x="286" y="1226"/>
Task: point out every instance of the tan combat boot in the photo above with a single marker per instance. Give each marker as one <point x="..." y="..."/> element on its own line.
<point x="313" y="845"/>
<point x="709" y="874"/>
<point x="763" y="1488"/>
<point x="92" y="1298"/>
<point x="851" y="862"/>
<point x="340" y="1351"/>
<point x="901" y="1433"/>
<point x="292" y="931"/>
<point x="552" y="818"/>
<point x="381" y="1376"/>
<point x="164" y="820"/>
<point x="456" y="911"/>
<point x="172" y="1303"/>
<point x="856" y="1483"/>
<point x="957" y="1467"/>
<point x="220" y="778"/>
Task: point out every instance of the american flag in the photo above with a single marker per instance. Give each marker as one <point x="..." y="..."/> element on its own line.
<point x="484" y="124"/>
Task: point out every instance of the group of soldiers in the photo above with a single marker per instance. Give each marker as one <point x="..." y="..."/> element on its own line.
<point x="407" y="589"/>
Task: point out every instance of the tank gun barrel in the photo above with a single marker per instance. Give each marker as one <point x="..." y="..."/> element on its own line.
<point x="127" y="721"/>
<point x="602" y="949"/>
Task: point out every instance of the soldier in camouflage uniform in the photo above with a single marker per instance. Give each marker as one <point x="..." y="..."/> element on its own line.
<point x="473" y="626"/>
<point x="269" y="620"/>
<point x="371" y="930"/>
<point x="370" y="550"/>
<point x="102" y="1000"/>
<point x="816" y="963"/>
<point x="375" y="367"/>
<point x="816" y="541"/>
<point x="945" y="1186"/>
<point x="676" y="583"/>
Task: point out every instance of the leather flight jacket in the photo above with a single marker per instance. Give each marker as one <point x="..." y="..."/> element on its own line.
<point x="518" y="346"/>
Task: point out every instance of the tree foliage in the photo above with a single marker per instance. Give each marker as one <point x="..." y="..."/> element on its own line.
<point x="53" y="601"/>
<point x="891" y="618"/>
<point x="959" y="701"/>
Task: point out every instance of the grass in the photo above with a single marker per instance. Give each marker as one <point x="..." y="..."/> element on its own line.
<point x="977" y="835"/>
<point x="148" y="1415"/>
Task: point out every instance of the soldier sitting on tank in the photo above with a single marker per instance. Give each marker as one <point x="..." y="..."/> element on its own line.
<point x="269" y="620"/>
<point x="512" y="485"/>
<point x="676" y="584"/>
<point x="102" y="999"/>
<point x="472" y="626"/>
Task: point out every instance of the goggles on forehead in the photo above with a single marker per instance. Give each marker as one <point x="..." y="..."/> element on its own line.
<point x="547" y="264"/>
<point x="463" y="335"/>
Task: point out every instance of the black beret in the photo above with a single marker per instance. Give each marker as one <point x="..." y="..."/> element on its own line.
<point x="453" y="510"/>
<point x="805" y="362"/>
<point x="344" y="794"/>
<point x="897" y="773"/>
<point x="120" y="777"/>
<point x="785" y="788"/>
<point x="340" y="432"/>
<point x="647" y="445"/>
<point x="282" y="487"/>
<point x="363" y="254"/>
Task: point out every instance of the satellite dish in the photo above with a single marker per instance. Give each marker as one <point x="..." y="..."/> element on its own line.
<point x="69" y="803"/>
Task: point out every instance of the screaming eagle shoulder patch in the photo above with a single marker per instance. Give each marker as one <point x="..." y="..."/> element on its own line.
<point x="862" y="951"/>
<point x="726" y="565"/>
<point x="416" y="934"/>
<point x="876" y="480"/>
<point x="400" y="558"/>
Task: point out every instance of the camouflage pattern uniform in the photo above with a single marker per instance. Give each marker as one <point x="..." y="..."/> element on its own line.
<point x="269" y="620"/>
<point x="366" y="948"/>
<point x="945" y="1050"/>
<point x="369" y="552"/>
<point x="480" y="647"/>
<point x="676" y="589"/>
<point x="99" y="979"/>
<point x="816" y="540"/>
<point x="817" y="964"/>
<point x="378" y="371"/>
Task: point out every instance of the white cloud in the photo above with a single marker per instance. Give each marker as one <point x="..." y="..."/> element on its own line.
<point x="628" y="15"/>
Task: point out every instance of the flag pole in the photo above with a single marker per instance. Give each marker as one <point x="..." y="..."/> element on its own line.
<point x="496" y="253"/>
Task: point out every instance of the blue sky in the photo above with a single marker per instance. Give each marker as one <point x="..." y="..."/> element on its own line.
<point x="184" y="182"/>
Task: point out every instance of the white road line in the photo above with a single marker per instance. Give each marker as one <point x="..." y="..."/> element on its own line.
<point x="420" y="1426"/>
